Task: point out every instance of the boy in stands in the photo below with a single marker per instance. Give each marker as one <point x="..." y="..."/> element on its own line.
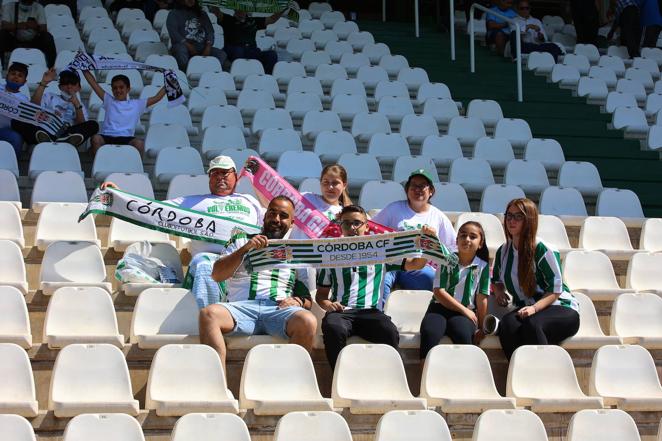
<point x="17" y="75"/>
<point x="122" y="113"/>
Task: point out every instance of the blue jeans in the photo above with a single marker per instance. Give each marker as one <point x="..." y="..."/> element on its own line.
<point x="418" y="279"/>
<point x="267" y="58"/>
<point x="12" y="137"/>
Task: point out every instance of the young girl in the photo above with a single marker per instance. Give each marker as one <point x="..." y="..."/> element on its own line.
<point x="459" y="304"/>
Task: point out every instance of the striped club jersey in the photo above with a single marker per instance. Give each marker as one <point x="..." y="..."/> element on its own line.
<point x="464" y="282"/>
<point x="275" y="284"/>
<point x="549" y="277"/>
<point x="356" y="287"/>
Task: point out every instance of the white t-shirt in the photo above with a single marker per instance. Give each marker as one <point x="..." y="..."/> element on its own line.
<point x="531" y="36"/>
<point x="121" y="116"/>
<point x="242" y="207"/>
<point x="35" y="10"/>
<point x="6" y="121"/>
<point x="61" y="107"/>
<point x="320" y="204"/>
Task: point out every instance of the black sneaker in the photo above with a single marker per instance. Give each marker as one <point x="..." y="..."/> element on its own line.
<point x="42" y="136"/>
<point x="74" y="139"/>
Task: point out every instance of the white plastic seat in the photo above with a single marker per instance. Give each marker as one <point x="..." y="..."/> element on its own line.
<point x="250" y="100"/>
<point x="604" y="424"/>
<point x="316" y="9"/>
<point x="560" y="392"/>
<point x="203" y="97"/>
<point x="565" y="76"/>
<point x="517" y="131"/>
<point x="328" y="73"/>
<point x="315" y="122"/>
<point x="432" y="90"/>
<point x="305" y="84"/>
<point x="620" y="203"/>
<point x="632" y="120"/>
<point x="496" y="151"/>
<point x="219" y="138"/>
<point x="223" y="116"/>
<point x="284" y="34"/>
<point x="441" y="149"/>
<point x="8" y="161"/>
<point x="374" y="51"/>
<point x="336" y="49"/>
<point x="466" y="129"/>
<point x="651" y="235"/>
<point x="54" y="156"/>
<point x="415" y="128"/>
<point x="59" y="221"/>
<point x="330" y="145"/>
<point x="370" y="379"/>
<point x="307" y="27"/>
<point x="625" y="376"/>
<point x="371" y="76"/>
<point x="653" y="104"/>
<point x="133" y="183"/>
<point x="121" y="234"/>
<point x="613" y="62"/>
<point x="81" y="315"/>
<point x="472" y="392"/>
<point x="547" y="151"/>
<point x="173" y="115"/>
<point x="488" y="111"/>
<point x="634" y="87"/>
<point x="540" y="62"/>
<point x="72" y="264"/>
<point x="552" y="231"/>
<point x="293" y="393"/>
<point x="89" y="378"/>
<point x="530" y="176"/>
<point x="185" y="379"/>
<point x="509" y="424"/>
<point x="267" y="83"/>
<point x="635" y="316"/>
<point x="654" y="137"/>
<point x="347" y="106"/>
<point x="594" y="89"/>
<point x="580" y="62"/>
<point x="641" y="76"/>
<point x="271" y="119"/>
<point x="395" y="108"/>
<point x="473" y="174"/>
<point x="353" y="62"/>
<point x="359" y="40"/>
<point x="207" y="426"/>
<point x="321" y="38"/>
<point x="401" y="425"/>
<point x="11" y="226"/>
<point x="443" y="110"/>
<point x="16" y="428"/>
<point x="344" y="86"/>
<point x="344" y="28"/>
<point x="241" y="68"/>
<point x="388" y="148"/>
<point x="53" y="186"/>
<point x="299" y="103"/>
<point x="276" y="141"/>
<point x="619" y="99"/>
<point x="605" y="74"/>
<point x="608" y="235"/>
<point x="298" y="165"/>
<point x="390" y="88"/>
<point x="589" y="51"/>
<point x="496" y="197"/>
<point x="378" y="194"/>
<point x="197" y="65"/>
<point x="404" y="165"/>
<point x="413" y="77"/>
<point x="164" y="316"/>
<point x="103" y="427"/>
<point x="15" y="325"/>
<point x="17" y="388"/>
<point x="111" y="158"/>
<point x="173" y="161"/>
<point x="564" y="202"/>
<point x="365" y="125"/>
<point x="583" y="176"/>
<point x="218" y="80"/>
<point x="494" y="235"/>
<point x="362" y="168"/>
<point x="589" y="335"/>
<point x="451" y="198"/>
<point x="312" y="59"/>
<point x="312" y="426"/>
<point x="591" y="273"/>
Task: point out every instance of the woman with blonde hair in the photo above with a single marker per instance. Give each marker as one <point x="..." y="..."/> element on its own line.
<point x="530" y="271"/>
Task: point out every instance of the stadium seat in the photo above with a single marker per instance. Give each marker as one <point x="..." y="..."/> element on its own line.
<point x="359" y="40"/>
<point x="11" y="227"/>
<point x="316" y="9"/>
<point x="121" y="234"/>
<point x="12" y="267"/>
<point x="516" y="131"/>
<point x="390" y="88"/>
<point x="635" y="318"/>
<point x="473" y="174"/>
<point x="466" y="129"/>
<point x="613" y="63"/>
<point x="330" y="145"/>
<point x="242" y="68"/>
<point x="72" y="264"/>
<point x="81" y="315"/>
<point x="266" y="83"/>
<point x="608" y="235"/>
<point x="547" y="151"/>
<point x="298" y="46"/>
<point x="583" y="176"/>
<point x="218" y="80"/>
<point x="197" y="65"/>
<point x="293" y="393"/>
<point x="207" y="426"/>
<point x="653" y="104"/>
<point x="371" y="76"/>
<point x="54" y="156"/>
<point x="589" y="51"/>
<point x="312" y="426"/>
<point x="406" y="309"/>
<point x="173" y="161"/>
<point x="580" y="62"/>
<point x="370" y="379"/>
<point x="443" y="150"/>
<point x="185" y="379"/>
<point x="632" y="120"/>
<point x="589" y="335"/>
<point x="8" y="160"/>
<point x="393" y="64"/>
<point x="529" y="175"/>
<point x="347" y="106"/>
<point x="635" y="88"/>
<point x="472" y="392"/>
<point x="388" y="148"/>
<point x="89" y="378"/>
<point x="17" y="388"/>
<point x="55" y="186"/>
<point x="305" y="84"/>
<point x="404" y="425"/>
<point x="620" y="203"/>
<point x="312" y="59"/>
<point x="651" y="235"/>
<point x="496" y="151"/>
<point x="641" y="76"/>
<point x="135" y="183"/>
<point x="494" y="235"/>
<point x="16" y="428"/>
<point x="603" y="424"/>
<point x="404" y="165"/>
<point x="344" y="28"/>
<point x="374" y="51"/>
<point x="218" y="138"/>
<point x="112" y="158"/>
<point x="276" y="141"/>
<point x="300" y="103"/>
<point x="15" y="325"/>
<point x="510" y="424"/>
<point x="552" y="231"/>
<point x="223" y="116"/>
<point x="540" y="62"/>
<point x="59" y="221"/>
<point x="173" y="115"/>
<point x="298" y="165"/>
<point x="496" y="197"/>
<point x="365" y="125"/>
<point x="344" y="86"/>
<point x="625" y="377"/>
<point x="204" y="96"/>
<point x="270" y="119"/>
<point x="328" y="73"/>
<point x="593" y="89"/>
<point x="605" y="74"/>
<point x="565" y="76"/>
<point x="432" y="90"/>
<point x="316" y="122"/>
<point x="413" y="77"/>
<point x="488" y="111"/>
<point x="443" y="110"/>
<point x="352" y="62"/>
<point x="565" y="203"/>
<point x="164" y="316"/>
<point x="307" y="27"/>
<point x="322" y="38"/>
<point x="415" y="128"/>
<point x="451" y="198"/>
<point x="336" y="49"/>
<point x="591" y="273"/>
<point x="560" y="392"/>
<point x="103" y="427"/>
<point x="378" y="194"/>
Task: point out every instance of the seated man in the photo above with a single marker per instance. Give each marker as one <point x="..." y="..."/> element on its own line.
<point x="17" y="75"/>
<point x="534" y="38"/>
<point x="273" y="302"/>
<point x="356" y="294"/>
<point x="65" y="105"/>
<point x="498" y="30"/>
<point x="24" y="25"/>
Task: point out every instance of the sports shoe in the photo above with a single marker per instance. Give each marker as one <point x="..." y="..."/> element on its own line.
<point x="74" y="139"/>
<point x="490" y="325"/>
<point x="42" y="136"/>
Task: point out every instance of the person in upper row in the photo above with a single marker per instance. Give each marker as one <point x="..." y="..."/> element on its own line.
<point x="412" y="214"/>
<point x="530" y="271"/>
<point x="17" y="75"/>
<point x="459" y="303"/>
<point x="534" y="38"/>
<point x="498" y="29"/>
<point x="24" y="25"/>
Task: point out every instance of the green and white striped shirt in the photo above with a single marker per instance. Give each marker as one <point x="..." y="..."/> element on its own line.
<point x="549" y="277"/>
<point x="275" y="284"/>
<point x="464" y="282"/>
<point x="356" y="287"/>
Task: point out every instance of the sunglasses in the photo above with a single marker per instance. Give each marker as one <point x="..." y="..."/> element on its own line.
<point x="518" y="217"/>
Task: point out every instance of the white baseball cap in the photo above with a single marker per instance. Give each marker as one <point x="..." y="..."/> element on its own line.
<point x="224" y="162"/>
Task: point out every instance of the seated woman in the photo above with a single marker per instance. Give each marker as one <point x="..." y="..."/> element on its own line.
<point x="459" y="304"/>
<point x="545" y="310"/>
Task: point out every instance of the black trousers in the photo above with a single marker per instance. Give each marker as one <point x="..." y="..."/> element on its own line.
<point x="550" y="326"/>
<point x="43" y="41"/>
<point x="651" y="35"/>
<point x="585" y="17"/>
<point x="28" y="131"/>
<point x="527" y="48"/>
<point x="370" y="324"/>
<point x="440" y="321"/>
<point x="630" y="30"/>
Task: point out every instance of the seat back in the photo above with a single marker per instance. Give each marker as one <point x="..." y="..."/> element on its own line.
<point x="164" y="311"/>
<point x="604" y="233"/>
<point x="588" y="270"/>
<point x="312" y="426"/>
<point x="602" y="424"/>
<point x="513" y="425"/>
<point x="636" y="315"/>
<point x="16" y="428"/>
<point x="207" y="426"/>
<point x="623" y="371"/>
<point x="651" y="235"/>
<point x="103" y="427"/>
<point x="73" y="262"/>
<point x="405" y="425"/>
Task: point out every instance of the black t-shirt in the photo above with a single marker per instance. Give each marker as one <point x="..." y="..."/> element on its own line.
<point x="239" y="32"/>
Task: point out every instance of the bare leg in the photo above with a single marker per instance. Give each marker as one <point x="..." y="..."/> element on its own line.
<point x="95" y="143"/>
<point x="214" y="321"/>
<point x="139" y="145"/>
<point x="500" y="40"/>
<point x="301" y="329"/>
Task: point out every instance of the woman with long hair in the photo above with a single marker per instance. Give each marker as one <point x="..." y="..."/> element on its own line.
<point x="530" y="271"/>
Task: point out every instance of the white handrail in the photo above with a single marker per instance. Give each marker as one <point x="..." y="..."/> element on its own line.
<point x="518" y="43"/>
<point x="452" y="29"/>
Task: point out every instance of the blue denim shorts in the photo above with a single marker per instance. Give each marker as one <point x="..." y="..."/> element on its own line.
<point x="260" y="317"/>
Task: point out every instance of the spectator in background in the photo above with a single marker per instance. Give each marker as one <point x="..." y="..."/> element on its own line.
<point x="586" y="20"/>
<point x="191" y="33"/>
<point x="66" y="105"/>
<point x="121" y="4"/>
<point x="498" y="30"/>
<point x="627" y="18"/>
<point x="651" y="21"/>
<point x="534" y="38"/>
<point x="239" y="34"/>
<point x="153" y="6"/>
<point x="17" y="75"/>
<point x="24" y="25"/>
